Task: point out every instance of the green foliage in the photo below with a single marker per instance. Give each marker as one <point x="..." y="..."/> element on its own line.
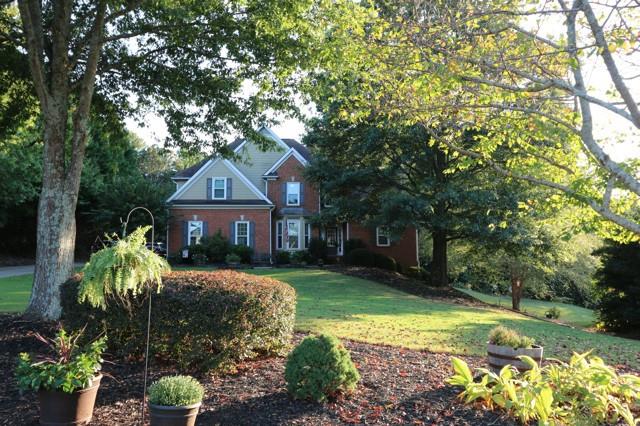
<point x="503" y="336"/>
<point x="283" y="257"/>
<point x="618" y="285"/>
<point x="176" y="391"/>
<point x="216" y="247"/>
<point x="68" y="368"/>
<point x="385" y="262"/>
<point x="201" y="320"/>
<point x="584" y="391"/>
<point x="301" y="257"/>
<point x="318" y="249"/>
<point x="360" y="257"/>
<point x="320" y="367"/>
<point x="553" y="313"/>
<point x="123" y="268"/>
<point x="232" y="258"/>
<point x="352" y="244"/>
<point x="244" y="252"/>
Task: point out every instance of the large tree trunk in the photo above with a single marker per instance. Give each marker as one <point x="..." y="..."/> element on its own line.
<point x="439" y="276"/>
<point x="517" y="287"/>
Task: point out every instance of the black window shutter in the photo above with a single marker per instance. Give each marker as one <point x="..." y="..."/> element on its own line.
<point x="284" y="193"/>
<point x="232" y="232"/>
<point x="229" y="189"/>
<point x="185" y="233"/>
<point x="301" y="193"/>
<point x="209" y="188"/>
<point x="252" y="234"/>
<point x="205" y="229"/>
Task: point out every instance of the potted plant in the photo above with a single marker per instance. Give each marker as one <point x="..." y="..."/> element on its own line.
<point x="66" y="381"/>
<point x="506" y="345"/>
<point x="174" y="401"/>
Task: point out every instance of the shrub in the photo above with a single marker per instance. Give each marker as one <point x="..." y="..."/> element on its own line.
<point x="320" y="367"/>
<point x="352" y="244"/>
<point x="216" y="247"/>
<point x="199" y="259"/>
<point x="385" y="262"/>
<point x="69" y="367"/>
<point x="283" y="257"/>
<point x="553" y="313"/>
<point x="318" y="249"/>
<point x="584" y="391"/>
<point x="360" y="257"/>
<point x="503" y="336"/>
<point x="618" y="284"/>
<point x="201" y="320"/>
<point x="232" y="258"/>
<point x="301" y="257"/>
<point x="245" y="252"/>
<point x="176" y="391"/>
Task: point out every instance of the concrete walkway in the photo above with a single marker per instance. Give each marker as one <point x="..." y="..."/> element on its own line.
<point x="14" y="271"/>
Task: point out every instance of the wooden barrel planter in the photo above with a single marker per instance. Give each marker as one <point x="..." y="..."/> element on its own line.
<point x="499" y="356"/>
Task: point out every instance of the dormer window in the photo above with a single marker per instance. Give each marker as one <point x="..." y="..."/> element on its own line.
<point x="219" y="188"/>
<point x="293" y="193"/>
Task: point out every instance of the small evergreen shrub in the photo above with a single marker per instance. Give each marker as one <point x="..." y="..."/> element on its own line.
<point x="360" y="257"/>
<point x="283" y="257"/>
<point x="301" y="257"/>
<point x="385" y="262"/>
<point x="176" y="391"/>
<point x="216" y="247"/>
<point x="245" y="252"/>
<point x="352" y="244"/>
<point x="201" y="320"/>
<point x="553" y="313"/>
<point x="232" y="258"/>
<point x="320" y="367"/>
<point x="503" y="336"/>
<point x="318" y="249"/>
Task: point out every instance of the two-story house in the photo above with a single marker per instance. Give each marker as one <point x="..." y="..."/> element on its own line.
<point x="263" y="201"/>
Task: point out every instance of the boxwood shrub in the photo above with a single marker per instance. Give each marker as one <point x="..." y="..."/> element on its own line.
<point x="200" y="320"/>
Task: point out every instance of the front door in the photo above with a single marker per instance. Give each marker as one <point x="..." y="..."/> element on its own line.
<point x="333" y="237"/>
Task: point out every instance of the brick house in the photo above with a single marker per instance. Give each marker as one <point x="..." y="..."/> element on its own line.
<point x="263" y="201"/>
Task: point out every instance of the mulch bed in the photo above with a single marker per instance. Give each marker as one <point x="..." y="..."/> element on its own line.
<point x="398" y="386"/>
<point x="408" y="284"/>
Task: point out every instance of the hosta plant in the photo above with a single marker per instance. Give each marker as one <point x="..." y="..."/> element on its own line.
<point x="122" y="268"/>
<point x="67" y="368"/>
<point x="584" y="391"/>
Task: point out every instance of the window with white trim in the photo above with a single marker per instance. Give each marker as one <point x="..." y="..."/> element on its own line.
<point x="331" y="235"/>
<point x="293" y="234"/>
<point x="307" y="234"/>
<point x="242" y="233"/>
<point x="219" y="188"/>
<point x="293" y="193"/>
<point x="279" y="229"/>
<point x="382" y="236"/>
<point x="194" y="232"/>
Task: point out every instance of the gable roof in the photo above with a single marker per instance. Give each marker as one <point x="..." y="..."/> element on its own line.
<point x="207" y="165"/>
<point x="302" y="150"/>
<point x="285" y="157"/>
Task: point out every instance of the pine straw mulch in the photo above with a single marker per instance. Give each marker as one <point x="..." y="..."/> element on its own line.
<point x="398" y="386"/>
<point x="408" y="285"/>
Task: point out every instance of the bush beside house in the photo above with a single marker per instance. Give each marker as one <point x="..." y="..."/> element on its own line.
<point x="200" y="320"/>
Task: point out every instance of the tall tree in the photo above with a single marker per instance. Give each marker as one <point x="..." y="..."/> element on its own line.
<point x="400" y="178"/>
<point x="188" y="61"/>
<point x="491" y="64"/>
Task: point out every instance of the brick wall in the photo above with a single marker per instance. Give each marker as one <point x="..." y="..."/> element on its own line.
<point x="292" y="171"/>
<point x="403" y="250"/>
<point x="220" y="219"/>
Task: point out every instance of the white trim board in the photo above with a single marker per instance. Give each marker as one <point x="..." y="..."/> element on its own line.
<point x="284" y="158"/>
<point x="231" y="167"/>
<point x="220" y="206"/>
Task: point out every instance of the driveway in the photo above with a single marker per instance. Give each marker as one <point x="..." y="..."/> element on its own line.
<point x="13" y="271"/>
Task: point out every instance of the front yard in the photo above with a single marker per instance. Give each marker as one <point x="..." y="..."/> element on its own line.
<point x="362" y="310"/>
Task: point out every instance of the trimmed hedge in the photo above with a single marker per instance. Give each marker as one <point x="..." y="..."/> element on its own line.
<point x="364" y="257"/>
<point x="200" y="320"/>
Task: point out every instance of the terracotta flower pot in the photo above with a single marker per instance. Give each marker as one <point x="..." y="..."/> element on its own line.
<point x="499" y="356"/>
<point x="61" y="408"/>
<point x="164" y="415"/>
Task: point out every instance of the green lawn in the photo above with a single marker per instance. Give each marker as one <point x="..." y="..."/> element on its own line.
<point x="569" y="314"/>
<point x="15" y="292"/>
<point x="363" y="310"/>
